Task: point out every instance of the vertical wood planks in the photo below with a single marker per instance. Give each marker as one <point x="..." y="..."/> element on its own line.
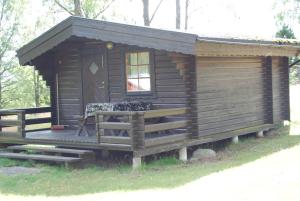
<point x="138" y="130"/>
<point x="21" y="127"/>
<point x="99" y="131"/>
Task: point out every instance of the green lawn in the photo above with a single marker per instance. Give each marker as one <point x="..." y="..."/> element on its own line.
<point x="165" y="173"/>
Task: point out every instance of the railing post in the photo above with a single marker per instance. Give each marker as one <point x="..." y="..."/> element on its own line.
<point x="100" y="131"/>
<point x="138" y="130"/>
<point x="21" y="126"/>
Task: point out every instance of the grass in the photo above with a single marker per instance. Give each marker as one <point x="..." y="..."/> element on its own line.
<point x="165" y="173"/>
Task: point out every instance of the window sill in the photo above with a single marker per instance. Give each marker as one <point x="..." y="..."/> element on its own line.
<point x="148" y="93"/>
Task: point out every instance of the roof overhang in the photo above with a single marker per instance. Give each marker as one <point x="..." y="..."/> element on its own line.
<point x="238" y="47"/>
<point x="107" y="31"/>
<point x="172" y="41"/>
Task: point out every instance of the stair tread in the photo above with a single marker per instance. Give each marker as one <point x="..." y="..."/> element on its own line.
<point x="39" y="157"/>
<point x="49" y="149"/>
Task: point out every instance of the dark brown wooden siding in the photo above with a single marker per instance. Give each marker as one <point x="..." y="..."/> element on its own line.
<point x="45" y="65"/>
<point x="280" y="88"/>
<point x="69" y="85"/>
<point x="230" y="93"/>
<point x="169" y="85"/>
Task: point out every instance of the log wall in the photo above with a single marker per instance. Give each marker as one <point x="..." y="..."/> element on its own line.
<point x="230" y="93"/>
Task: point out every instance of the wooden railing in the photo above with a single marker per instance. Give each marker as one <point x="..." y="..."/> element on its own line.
<point x="37" y="121"/>
<point x="136" y="128"/>
<point x="13" y="122"/>
<point x="17" y="123"/>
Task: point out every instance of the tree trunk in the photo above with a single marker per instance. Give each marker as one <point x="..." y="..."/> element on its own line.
<point x="77" y="8"/>
<point x="178" y="14"/>
<point x="36" y="84"/>
<point x="0" y="92"/>
<point x="146" y="12"/>
<point x="186" y="14"/>
<point x="298" y="73"/>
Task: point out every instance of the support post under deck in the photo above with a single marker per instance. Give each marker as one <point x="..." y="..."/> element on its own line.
<point x="136" y="162"/>
<point x="183" y="154"/>
<point x="235" y="139"/>
<point x="260" y="134"/>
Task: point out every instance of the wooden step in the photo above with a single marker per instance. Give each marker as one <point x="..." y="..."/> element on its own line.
<point x="49" y="149"/>
<point x="39" y="157"/>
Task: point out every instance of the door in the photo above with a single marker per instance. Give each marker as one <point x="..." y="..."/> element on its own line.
<point x="94" y="75"/>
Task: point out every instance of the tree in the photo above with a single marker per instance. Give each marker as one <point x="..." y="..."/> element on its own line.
<point x="285" y="32"/>
<point x="10" y="15"/>
<point x="84" y="8"/>
<point x="289" y="10"/>
<point x="147" y="19"/>
<point x="178" y="15"/>
<point x="186" y="17"/>
<point x="289" y="13"/>
<point x="36" y="84"/>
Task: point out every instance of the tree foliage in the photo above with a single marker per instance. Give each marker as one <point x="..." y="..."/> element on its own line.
<point x="285" y="32"/>
<point x="10" y="14"/>
<point x="16" y="83"/>
<point x="289" y="13"/>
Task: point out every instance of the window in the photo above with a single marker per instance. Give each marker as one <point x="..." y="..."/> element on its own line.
<point x="138" y="78"/>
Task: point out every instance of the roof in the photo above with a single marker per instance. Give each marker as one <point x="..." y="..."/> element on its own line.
<point x="206" y="46"/>
<point x="107" y="31"/>
<point x="173" y="41"/>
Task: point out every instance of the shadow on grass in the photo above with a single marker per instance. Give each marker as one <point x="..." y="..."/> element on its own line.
<point x="164" y="173"/>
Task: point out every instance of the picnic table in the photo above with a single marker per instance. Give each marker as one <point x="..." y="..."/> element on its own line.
<point x="92" y="108"/>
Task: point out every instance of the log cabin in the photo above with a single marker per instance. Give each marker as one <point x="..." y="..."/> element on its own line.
<point x="201" y="89"/>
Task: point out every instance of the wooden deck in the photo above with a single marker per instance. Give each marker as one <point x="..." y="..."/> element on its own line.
<point x="140" y="132"/>
<point x="68" y="135"/>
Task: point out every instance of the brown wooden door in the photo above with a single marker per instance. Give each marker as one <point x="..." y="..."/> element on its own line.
<point x="94" y="75"/>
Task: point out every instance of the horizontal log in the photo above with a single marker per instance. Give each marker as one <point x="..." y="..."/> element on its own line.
<point x="10" y="122"/>
<point x="37" y="110"/>
<point x="38" y="129"/>
<point x="164" y="112"/>
<point x="38" y="120"/>
<point x="116" y="140"/>
<point x="10" y="112"/>
<point x="165" y="139"/>
<point x="115" y="125"/>
<point x="115" y="113"/>
<point x="10" y="134"/>
<point x="165" y="126"/>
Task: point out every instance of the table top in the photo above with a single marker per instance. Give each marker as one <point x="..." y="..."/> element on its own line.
<point x="91" y="108"/>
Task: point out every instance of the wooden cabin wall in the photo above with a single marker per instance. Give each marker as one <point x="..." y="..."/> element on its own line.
<point x="230" y="93"/>
<point x="169" y="84"/>
<point x="45" y="65"/>
<point x="170" y="88"/>
<point x="69" y="85"/>
<point x="280" y="88"/>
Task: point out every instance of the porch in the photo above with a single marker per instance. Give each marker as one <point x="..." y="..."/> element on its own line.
<point x="140" y="132"/>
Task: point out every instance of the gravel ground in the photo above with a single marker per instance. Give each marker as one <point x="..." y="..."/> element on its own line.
<point x="273" y="178"/>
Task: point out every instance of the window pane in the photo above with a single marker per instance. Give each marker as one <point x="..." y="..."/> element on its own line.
<point x="144" y="71"/>
<point x="132" y="84"/>
<point x="144" y="84"/>
<point x="143" y="58"/>
<point x="132" y="72"/>
<point x="133" y="59"/>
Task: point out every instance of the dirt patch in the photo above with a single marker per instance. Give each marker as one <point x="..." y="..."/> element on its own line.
<point x="12" y="171"/>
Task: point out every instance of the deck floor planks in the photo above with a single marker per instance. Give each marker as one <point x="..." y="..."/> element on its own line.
<point x="61" y="135"/>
